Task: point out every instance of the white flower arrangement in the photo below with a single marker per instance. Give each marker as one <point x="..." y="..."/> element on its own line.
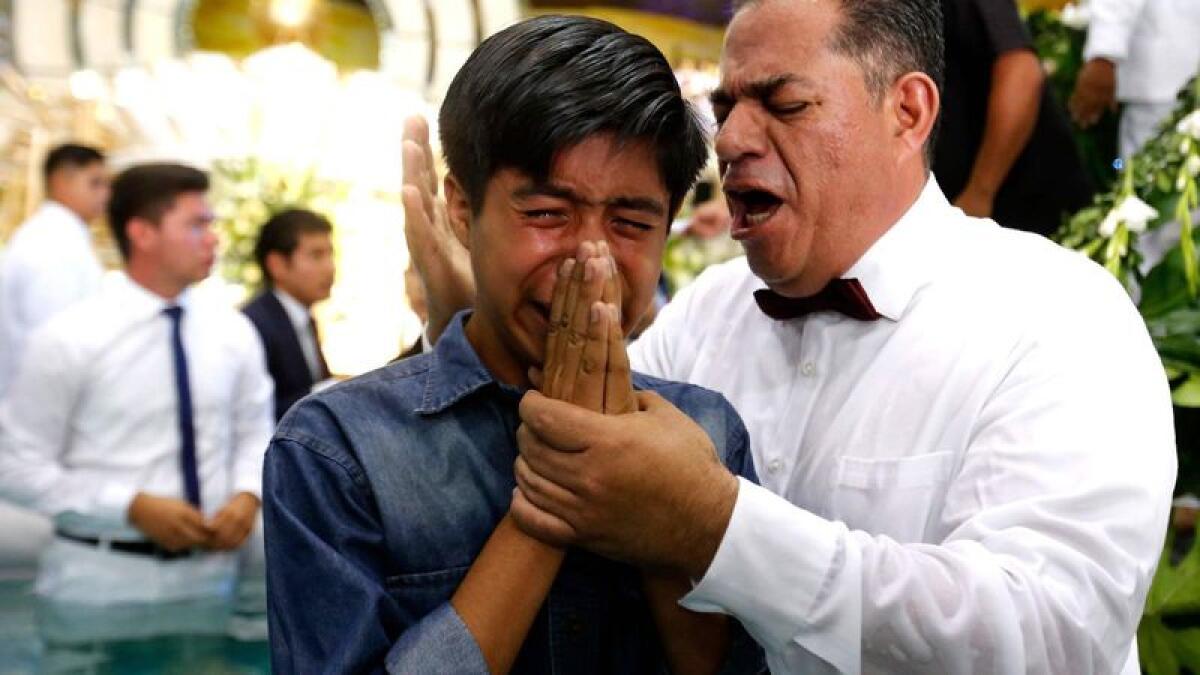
<point x="1131" y="211"/>
<point x="1190" y="125"/>
<point x="1076" y="15"/>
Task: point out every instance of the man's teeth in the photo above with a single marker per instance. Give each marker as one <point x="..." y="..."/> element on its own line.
<point x="760" y="217"/>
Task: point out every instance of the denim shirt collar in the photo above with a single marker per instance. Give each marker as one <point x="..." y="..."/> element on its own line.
<point x="455" y="370"/>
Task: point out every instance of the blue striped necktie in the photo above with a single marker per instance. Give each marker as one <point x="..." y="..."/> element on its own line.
<point x="183" y="389"/>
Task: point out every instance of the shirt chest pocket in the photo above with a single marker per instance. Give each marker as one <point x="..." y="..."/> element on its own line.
<point x="898" y="497"/>
<point x="421" y="593"/>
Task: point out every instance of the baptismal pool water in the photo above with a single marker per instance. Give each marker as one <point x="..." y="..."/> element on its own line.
<point x="192" y="638"/>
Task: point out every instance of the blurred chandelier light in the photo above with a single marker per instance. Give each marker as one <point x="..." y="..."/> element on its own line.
<point x="291" y="13"/>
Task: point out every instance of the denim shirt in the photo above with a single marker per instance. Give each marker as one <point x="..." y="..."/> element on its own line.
<point x="380" y="492"/>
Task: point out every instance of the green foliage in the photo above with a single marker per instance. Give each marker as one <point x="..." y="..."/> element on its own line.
<point x="1174" y="598"/>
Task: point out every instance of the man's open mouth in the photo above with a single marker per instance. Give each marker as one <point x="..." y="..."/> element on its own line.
<point x="751" y="207"/>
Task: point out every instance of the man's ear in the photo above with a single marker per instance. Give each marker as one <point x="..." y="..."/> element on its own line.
<point x="458" y="210"/>
<point x="915" y="103"/>
<point x="277" y="264"/>
<point x="142" y="234"/>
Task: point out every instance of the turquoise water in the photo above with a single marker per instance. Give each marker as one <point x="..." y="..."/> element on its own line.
<point x="201" y="638"/>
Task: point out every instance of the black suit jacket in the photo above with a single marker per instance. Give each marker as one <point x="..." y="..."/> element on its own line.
<point x="285" y="357"/>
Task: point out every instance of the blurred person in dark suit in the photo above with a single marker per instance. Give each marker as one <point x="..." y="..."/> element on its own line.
<point x="295" y="251"/>
<point x="1005" y="149"/>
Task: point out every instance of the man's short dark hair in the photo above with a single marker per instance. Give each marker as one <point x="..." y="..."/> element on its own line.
<point x="546" y="84"/>
<point x="148" y="191"/>
<point x="281" y="234"/>
<point x="889" y="38"/>
<point x="70" y="155"/>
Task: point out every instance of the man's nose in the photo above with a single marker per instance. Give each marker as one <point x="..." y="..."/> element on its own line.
<point x="742" y="134"/>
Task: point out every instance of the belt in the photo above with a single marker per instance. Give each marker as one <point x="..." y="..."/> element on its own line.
<point x="146" y="548"/>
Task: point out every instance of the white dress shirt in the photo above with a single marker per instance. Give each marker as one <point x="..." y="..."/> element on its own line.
<point x="977" y="482"/>
<point x="92" y="419"/>
<point x="47" y="266"/>
<point x="301" y="321"/>
<point x="1153" y="43"/>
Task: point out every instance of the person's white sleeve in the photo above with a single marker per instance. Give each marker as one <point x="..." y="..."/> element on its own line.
<point x="50" y="290"/>
<point x="254" y="413"/>
<point x="35" y="427"/>
<point x="1050" y="532"/>
<point x="1111" y="28"/>
<point x="667" y="349"/>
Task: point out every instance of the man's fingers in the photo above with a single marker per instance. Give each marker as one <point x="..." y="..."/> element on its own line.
<point x="591" y="287"/>
<point x="618" y="377"/>
<point x="193" y="532"/>
<point x="588" y="349"/>
<point x="556" y="466"/>
<point x="563" y="374"/>
<point x="612" y="290"/>
<point x="563" y="426"/>
<point x="558" y="309"/>
<point x="540" y="525"/>
<point x="542" y="492"/>
<point x="416" y="130"/>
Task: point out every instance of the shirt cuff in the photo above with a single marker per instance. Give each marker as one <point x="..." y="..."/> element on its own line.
<point x="1106" y="42"/>
<point x="112" y="503"/>
<point x="438" y="643"/>
<point x="771" y="568"/>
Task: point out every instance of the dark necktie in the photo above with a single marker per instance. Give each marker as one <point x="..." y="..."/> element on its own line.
<point x="845" y="296"/>
<point x="312" y="326"/>
<point x="183" y="390"/>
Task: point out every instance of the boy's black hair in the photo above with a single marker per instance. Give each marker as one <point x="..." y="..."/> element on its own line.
<point x="545" y="84"/>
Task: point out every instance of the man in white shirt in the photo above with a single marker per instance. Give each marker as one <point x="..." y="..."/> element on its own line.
<point x="963" y="432"/>
<point x="1140" y="53"/>
<point x="139" y="418"/>
<point x="49" y="263"/>
<point x="295" y="252"/>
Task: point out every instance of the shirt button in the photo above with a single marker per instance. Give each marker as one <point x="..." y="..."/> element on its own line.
<point x="774" y="466"/>
<point x="808" y="369"/>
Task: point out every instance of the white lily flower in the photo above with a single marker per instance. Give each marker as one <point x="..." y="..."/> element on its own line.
<point x="1190" y="125"/>
<point x="1134" y="212"/>
<point x="1193" y="165"/>
<point x="1076" y="16"/>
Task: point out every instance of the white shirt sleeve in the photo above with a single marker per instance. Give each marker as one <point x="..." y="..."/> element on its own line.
<point x="668" y="348"/>
<point x="35" y="427"/>
<point x="253" y="414"/>
<point x="1052" y="527"/>
<point x="1111" y="28"/>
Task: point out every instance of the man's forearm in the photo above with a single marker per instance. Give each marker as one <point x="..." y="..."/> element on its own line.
<point x="504" y="590"/>
<point x="693" y="642"/>
<point x="1013" y="106"/>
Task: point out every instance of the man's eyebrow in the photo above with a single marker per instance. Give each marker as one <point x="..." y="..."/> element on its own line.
<point x="759" y="89"/>
<point x="546" y="190"/>
<point x="647" y="205"/>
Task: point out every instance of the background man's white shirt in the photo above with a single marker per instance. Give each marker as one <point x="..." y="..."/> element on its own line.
<point x="47" y="266"/>
<point x="92" y="419"/>
<point x="978" y="482"/>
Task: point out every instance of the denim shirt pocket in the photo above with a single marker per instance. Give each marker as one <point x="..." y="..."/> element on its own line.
<point x="421" y="593"/>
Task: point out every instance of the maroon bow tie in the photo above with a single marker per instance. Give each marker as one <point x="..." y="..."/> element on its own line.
<point x="845" y="296"/>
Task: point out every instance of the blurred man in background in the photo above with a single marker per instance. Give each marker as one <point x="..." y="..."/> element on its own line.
<point x="49" y="264"/>
<point x="1139" y="53"/>
<point x="1005" y="149"/>
<point x="295" y="252"/>
<point x="139" y="416"/>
